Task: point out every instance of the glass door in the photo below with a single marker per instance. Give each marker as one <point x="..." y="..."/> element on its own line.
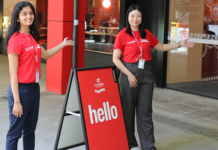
<point x="194" y="70"/>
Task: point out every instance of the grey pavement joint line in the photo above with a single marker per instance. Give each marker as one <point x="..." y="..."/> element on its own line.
<point x="211" y="133"/>
<point x="2" y="99"/>
<point x="46" y="93"/>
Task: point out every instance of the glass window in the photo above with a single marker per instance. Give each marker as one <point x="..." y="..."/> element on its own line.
<point x="41" y="17"/>
<point x="195" y="69"/>
<point x="102" y="18"/>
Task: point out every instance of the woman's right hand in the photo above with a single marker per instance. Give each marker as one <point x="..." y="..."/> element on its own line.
<point x="17" y="109"/>
<point x="132" y="80"/>
<point x="68" y="42"/>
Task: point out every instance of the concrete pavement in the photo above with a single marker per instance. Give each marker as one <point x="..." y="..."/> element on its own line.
<point x="182" y="121"/>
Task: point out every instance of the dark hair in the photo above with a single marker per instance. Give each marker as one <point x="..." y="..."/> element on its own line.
<point x="141" y="27"/>
<point x="15" y="26"/>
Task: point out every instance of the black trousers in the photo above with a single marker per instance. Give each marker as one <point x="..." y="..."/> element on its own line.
<point x="26" y="125"/>
<point x="138" y="100"/>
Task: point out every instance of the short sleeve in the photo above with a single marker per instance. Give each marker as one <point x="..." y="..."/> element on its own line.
<point x="40" y="44"/>
<point x="119" y="42"/>
<point x="14" y="46"/>
<point x="152" y="39"/>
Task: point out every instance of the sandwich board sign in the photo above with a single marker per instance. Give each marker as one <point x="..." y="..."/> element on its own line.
<point x="92" y="113"/>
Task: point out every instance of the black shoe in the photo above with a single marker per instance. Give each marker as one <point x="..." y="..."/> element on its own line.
<point x="153" y="148"/>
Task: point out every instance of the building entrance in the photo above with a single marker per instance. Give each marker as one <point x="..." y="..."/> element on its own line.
<point x="194" y="70"/>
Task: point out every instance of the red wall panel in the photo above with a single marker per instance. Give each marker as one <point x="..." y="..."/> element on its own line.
<point x="81" y="45"/>
<point x="58" y="66"/>
<point x="67" y="56"/>
<point x="53" y="70"/>
<point x="60" y="10"/>
<point x="82" y="10"/>
<point x="81" y="34"/>
<point x="60" y="25"/>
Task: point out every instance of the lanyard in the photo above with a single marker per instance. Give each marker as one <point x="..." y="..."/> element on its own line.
<point x="36" y="52"/>
<point x="36" y="56"/>
<point x="140" y="46"/>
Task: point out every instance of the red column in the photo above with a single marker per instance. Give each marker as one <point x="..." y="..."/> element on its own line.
<point x="60" y="24"/>
<point x="81" y="34"/>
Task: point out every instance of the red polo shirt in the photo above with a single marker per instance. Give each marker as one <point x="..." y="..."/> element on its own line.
<point x="130" y="48"/>
<point x="25" y="46"/>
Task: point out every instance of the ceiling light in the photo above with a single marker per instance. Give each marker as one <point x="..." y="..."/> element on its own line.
<point x="106" y="3"/>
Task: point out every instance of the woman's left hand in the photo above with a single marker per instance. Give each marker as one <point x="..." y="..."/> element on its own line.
<point x="68" y="42"/>
<point x="186" y="43"/>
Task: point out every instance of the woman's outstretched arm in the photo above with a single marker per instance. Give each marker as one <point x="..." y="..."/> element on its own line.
<point x="49" y="53"/>
<point x="168" y="47"/>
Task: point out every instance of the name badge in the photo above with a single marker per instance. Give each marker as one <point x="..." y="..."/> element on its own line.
<point x="37" y="76"/>
<point x="141" y="63"/>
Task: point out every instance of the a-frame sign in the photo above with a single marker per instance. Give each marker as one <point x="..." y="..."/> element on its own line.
<point x="92" y="112"/>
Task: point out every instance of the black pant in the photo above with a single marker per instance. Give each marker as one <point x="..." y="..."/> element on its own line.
<point x="141" y="99"/>
<point x="26" y="125"/>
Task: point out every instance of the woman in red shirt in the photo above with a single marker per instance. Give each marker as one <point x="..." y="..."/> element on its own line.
<point x="136" y="79"/>
<point x="24" y="54"/>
